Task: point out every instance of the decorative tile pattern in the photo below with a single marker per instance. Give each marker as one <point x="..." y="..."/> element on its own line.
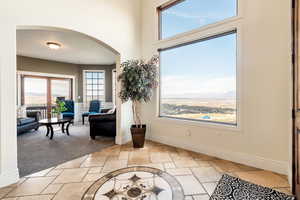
<point x="197" y="173"/>
<point x="136" y="183"/>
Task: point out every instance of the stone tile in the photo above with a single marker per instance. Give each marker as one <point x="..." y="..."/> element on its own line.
<point x="71" y="175"/>
<point x="94" y="161"/>
<point x="40" y="173"/>
<point x="203" y="163"/>
<point x="247" y="168"/>
<point x="225" y="166"/>
<point x="37" y="197"/>
<point x="169" y="165"/>
<point x="110" y="151"/>
<point x="4" y="191"/>
<point x="114" y="165"/>
<point x="197" y="173"/>
<point x="153" y="165"/>
<point x="203" y="157"/>
<point x="201" y="197"/>
<point x="126" y="147"/>
<point x="92" y="177"/>
<point x="95" y="170"/>
<point x="72" y="191"/>
<point x="184" y="153"/>
<point x="185" y="163"/>
<point x="190" y="185"/>
<point x="177" y="156"/>
<point x="138" y="158"/>
<point x="282" y="175"/>
<point x="55" y="172"/>
<point x="160" y="157"/>
<point x="179" y="171"/>
<point x="31" y="186"/>
<point x="284" y="190"/>
<point x="210" y="187"/>
<point x="264" y="178"/>
<point x="207" y="174"/>
<point x="18" y="183"/>
<point x="52" y="189"/>
<point x="72" y="164"/>
<point x="124" y="155"/>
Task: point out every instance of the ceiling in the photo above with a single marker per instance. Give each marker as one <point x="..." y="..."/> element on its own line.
<point x="75" y="48"/>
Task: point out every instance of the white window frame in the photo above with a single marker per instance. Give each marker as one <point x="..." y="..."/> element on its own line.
<point x="84" y="83"/>
<point x="227" y="25"/>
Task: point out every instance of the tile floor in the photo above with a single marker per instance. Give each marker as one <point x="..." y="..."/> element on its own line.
<point x="197" y="173"/>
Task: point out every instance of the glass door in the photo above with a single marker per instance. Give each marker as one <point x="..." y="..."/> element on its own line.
<point x="35" y="91"/>
<point x="41" y="92"/>
<point x="60" y="88"/>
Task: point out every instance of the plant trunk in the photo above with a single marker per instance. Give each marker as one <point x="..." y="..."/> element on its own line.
<point x="136" y="116"/>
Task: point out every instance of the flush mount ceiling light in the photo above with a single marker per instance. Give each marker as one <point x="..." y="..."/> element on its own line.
<point x="53" y="45"/>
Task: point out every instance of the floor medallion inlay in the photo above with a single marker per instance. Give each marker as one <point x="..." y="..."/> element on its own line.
<point x="135" y="183"/>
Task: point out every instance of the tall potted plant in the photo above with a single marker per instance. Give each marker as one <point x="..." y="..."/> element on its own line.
<point x="138" y="79"/>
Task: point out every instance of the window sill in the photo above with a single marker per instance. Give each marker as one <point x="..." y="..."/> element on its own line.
<point x="202" y="124"/>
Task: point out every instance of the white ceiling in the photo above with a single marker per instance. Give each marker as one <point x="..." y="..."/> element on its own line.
<point x="76" y="48"/>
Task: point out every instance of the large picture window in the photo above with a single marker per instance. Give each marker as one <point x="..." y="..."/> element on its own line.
<point x="185" y="15"/>
<point x="94" y="84"/>
<point x="198" y="80"/>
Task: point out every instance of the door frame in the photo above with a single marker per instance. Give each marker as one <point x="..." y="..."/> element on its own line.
<point x="295" y="70"/>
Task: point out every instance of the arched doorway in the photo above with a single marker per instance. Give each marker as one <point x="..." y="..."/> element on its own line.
<point x="118" y="140"/>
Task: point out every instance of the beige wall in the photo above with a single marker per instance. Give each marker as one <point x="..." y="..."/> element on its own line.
<point x="53" y="67"/>
<point x="93" y="18"/>
<point x="265" y="90"/>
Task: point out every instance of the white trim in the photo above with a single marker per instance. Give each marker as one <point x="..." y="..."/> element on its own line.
<point x="9" y="177"/>
<point x="114" y="86"/>
<point x="280" y="167"/>
<point x="19" y="89"/>
<point x="230" y="24"/>
<point x="51" y="75"/>
<point x="45" y="74"/>
<point x="239" y="79"/>
<point x="84" y="83"/>
<point x="226" y="22"/>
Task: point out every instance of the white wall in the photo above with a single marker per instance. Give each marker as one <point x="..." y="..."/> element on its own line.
<point x="115" y="22"/>
<point x="265" y="85"/>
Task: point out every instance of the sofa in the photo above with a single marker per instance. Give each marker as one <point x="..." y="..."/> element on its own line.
<point x="103" y="124"/>
<point x="25" y="124"/>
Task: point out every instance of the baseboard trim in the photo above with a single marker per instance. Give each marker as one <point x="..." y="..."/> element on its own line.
<point x="280" y="167"/>
<point x="9" y="177"/>
<point x="126" y="139"/>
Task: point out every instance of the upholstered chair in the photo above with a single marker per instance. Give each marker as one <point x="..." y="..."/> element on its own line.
<point x="95" y="108"/>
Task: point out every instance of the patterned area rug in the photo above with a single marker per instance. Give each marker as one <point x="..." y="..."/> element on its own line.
<point x="135" y="183"/>
<point x="232" y="188"/>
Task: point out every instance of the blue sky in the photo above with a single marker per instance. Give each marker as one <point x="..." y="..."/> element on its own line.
<point x="192" y="14"/>
<point x="206" y="69"/>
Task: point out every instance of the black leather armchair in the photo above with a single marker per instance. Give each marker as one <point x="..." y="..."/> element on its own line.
<point x="103" y="124"/>
<point x="29" y="122"/>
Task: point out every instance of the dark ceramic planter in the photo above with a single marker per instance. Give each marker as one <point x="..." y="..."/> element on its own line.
<point x="138" y="135"/>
